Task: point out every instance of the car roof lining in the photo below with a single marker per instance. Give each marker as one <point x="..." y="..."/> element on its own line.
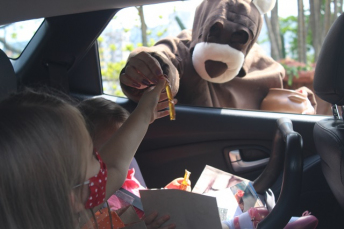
<point x="20" y="10"/>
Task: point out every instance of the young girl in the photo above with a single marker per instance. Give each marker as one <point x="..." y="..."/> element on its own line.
<point x="42" y="148"/>
<point x="104" y="117"/>
<point x="47" y="154"/>
<point x="107" y="169"/>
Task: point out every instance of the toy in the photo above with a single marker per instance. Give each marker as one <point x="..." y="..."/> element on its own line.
<point x="185" y="184"/>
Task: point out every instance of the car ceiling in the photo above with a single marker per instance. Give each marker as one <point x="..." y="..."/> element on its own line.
<point x="20" y="10"/>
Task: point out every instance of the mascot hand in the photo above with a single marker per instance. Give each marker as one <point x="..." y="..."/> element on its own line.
<point x="300" y="101"/>
<point x="143" y="69"/>
<point x="311" y="102"/>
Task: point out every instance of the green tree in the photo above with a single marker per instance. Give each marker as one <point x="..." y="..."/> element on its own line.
<point x="110" y="70"/>
<point x="12" y="51"/>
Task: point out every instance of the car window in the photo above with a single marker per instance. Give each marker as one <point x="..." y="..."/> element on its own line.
<point x="15" y="36"/>
<point x="280" y="41"/>
<point x="123" y="35"/>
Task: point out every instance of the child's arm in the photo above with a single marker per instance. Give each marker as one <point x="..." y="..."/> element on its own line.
<point x="118" y="152"/>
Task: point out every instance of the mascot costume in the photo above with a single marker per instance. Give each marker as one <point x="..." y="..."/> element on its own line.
<point x="217" y="64"/>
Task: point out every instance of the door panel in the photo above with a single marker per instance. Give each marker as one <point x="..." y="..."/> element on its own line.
<point x="201" y="136"/>
<point x="164" y="164"/>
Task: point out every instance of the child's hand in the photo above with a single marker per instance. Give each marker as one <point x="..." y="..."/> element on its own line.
<point x="149" y="101"/>
<point x="175" y="184"/>
<point x="152" y="222"/>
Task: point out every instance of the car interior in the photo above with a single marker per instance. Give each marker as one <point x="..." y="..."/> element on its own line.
<point x="304" y="171"/>
<point x="328" y="132"/>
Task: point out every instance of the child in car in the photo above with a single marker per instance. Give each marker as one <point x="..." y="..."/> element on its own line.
<point x="103" y="118"/>
<point x="43" y="153"/>
<point x="50" y="171"/>
<point x="108" y="142"/>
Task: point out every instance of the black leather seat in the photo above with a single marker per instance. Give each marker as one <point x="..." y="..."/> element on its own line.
<point x="329" y="86"/>
<point x="8" y="80"/>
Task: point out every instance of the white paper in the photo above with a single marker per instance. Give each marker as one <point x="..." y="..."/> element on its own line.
<point x="213" y="179"/>
<point x="226" y="203"/>
<point x="187" y="210"/>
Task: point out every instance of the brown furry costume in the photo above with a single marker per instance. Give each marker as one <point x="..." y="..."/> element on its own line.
<point x="246" y="91"/>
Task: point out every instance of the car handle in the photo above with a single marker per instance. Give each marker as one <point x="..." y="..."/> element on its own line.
<point x="239" y="165"/>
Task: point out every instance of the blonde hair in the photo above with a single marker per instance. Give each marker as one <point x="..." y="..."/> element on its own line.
<point x="42" y="140"/>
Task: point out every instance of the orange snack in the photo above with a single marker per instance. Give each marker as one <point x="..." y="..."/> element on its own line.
<point x="169" y="91"/>
<point x="172" y="110"/>
<point x="185" y="184"/>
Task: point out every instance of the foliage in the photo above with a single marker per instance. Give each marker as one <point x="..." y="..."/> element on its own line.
<point x="288" y="28"/>
<point x="324" y="17"/>
<point x="111" y="65"/>
<point x="293" y="71"/>
<point x="161" y="33"/>
<point x="110" y="71"/>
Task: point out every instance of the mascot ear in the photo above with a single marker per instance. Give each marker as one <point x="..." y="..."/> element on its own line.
<point x="264" y="6"/>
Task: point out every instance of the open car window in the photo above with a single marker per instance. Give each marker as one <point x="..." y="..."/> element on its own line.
<point x="15" y="36"/>
<point x="125" y="33"/>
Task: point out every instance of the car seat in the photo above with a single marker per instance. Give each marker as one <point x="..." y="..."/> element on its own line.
<point x="8" y="80"/>
<point x="286" y="156"/>
<point x="329" y="86"/>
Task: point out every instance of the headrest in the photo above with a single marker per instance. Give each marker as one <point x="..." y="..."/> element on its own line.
<point x="8" y="80"/>
<point x="329" y="71"/>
